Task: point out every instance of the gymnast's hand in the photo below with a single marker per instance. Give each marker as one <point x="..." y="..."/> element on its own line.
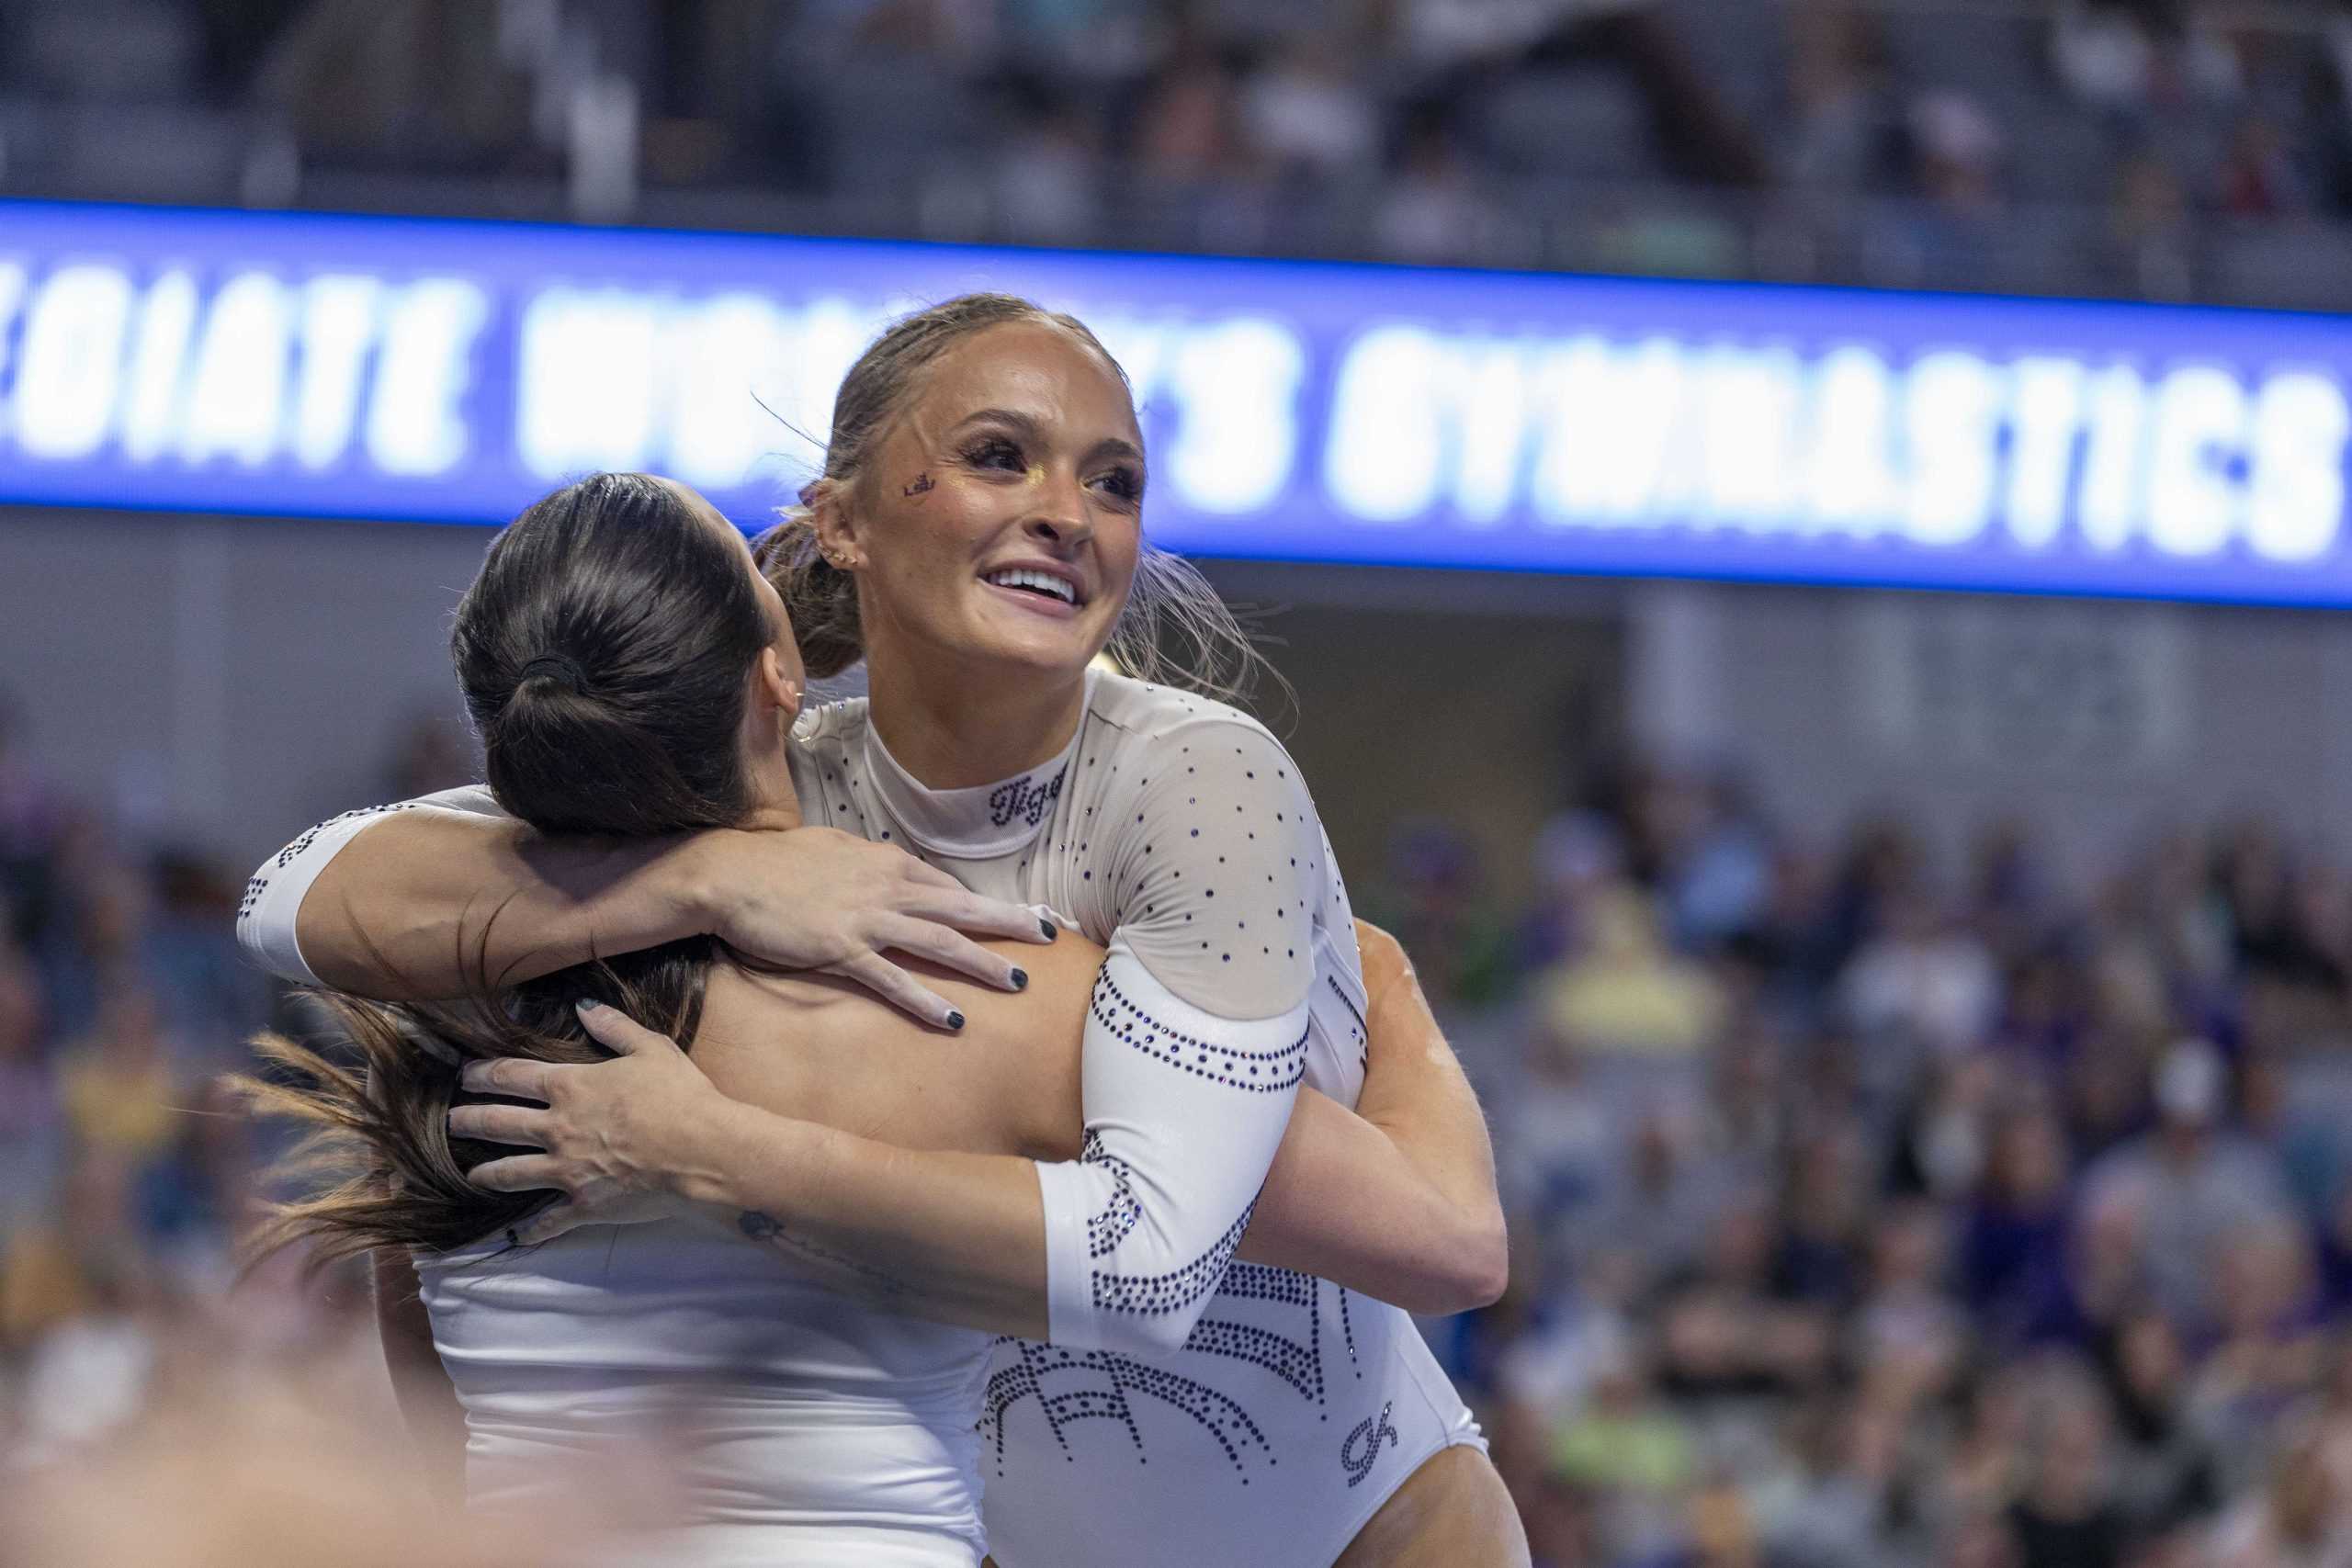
<point x="819" y="898"/>
<point x="613" y="1136"/>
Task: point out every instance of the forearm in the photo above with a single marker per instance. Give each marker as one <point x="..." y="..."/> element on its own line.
<point x="427" y="1399"/>
<point x="431" y="903"/>
<point x="950" y="1237"/>
<point x="1416" y="1092"/>
<point x="1342" y="1200"/>
<point x="1396" y="1199"/>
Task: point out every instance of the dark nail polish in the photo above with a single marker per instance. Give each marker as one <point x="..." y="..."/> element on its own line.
<point x="954" y="1020"/>
<point x="512" y="1239"/>
<point x="1047" y="930"/>
<point x="1021" y="979"/>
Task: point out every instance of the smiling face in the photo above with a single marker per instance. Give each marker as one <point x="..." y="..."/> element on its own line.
<point x="998" y="521"/>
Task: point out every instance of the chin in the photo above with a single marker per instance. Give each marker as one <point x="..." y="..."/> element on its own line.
<point x="1047" y="652"/>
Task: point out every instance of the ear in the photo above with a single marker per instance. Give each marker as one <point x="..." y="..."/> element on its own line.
<point x="776" y="685"/>
<point x="830" y="518"/>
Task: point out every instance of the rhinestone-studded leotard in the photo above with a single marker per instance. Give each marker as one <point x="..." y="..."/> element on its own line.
<point x="1189" y="1412"/>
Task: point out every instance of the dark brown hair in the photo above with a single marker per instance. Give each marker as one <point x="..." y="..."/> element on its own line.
<point x="605" y="653"/>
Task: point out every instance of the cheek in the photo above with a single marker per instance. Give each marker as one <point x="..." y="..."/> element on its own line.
<point x="1120" y="547"/>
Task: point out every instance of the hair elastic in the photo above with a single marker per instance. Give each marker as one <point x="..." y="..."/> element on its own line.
<point x="560" y="667"/>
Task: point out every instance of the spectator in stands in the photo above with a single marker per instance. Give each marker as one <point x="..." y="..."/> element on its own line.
<point x="2267" y="1351"/>
<point x="1624" y="991"/>
<point x="2296" y="1519"/>
<point x="1837" y="94"/>
<point x="1727" y="1330"/>
<point x="1307" y="110"/>
<point x="1974" y="1469"/>
<point x="2148" y="221"/>
<point x="30" y="1128"/>
<point x="2257" y="891"/>
<point x="2012" y="1248"/>
<point x="31" y="818"/>
<point x="1576" y="856"/>
<point x="1049" y="177"/>
<point x="1634" y="1453"/>
<point x="1432" y="207"/>
<point x="1712" y="864"/>
<point x="1826" y="1505"/>
<point x="121" y="1093"/>
<point x="1432" y="893"/>
<point x="2192" y="1185"/>
<point x="1188" y="126"/>
<point x="1957" y="149"/>
<point x="1825" y="1217"/>
<point x="2167" y="1471"/>
<point x="1585" y="1328"/>
<point x="2066" y="1514"/>
<point x="2258" y="177"/>
<point x="1653" y="1201"/>
<point x="1941" y="1139"/>
<point x="2135" y="57"/>
<point x="1907" y="1333"/>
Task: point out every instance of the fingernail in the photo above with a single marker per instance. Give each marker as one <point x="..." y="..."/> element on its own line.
<point x="587" y="1004"/>
<point x="1046" y="929"/>
<point x="1020" y="979"/>
<point x="512" y="1239"/>
<point x="954" y="1020"/>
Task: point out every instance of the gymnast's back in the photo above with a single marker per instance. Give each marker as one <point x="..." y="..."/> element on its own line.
<point x="799" y="1424"/>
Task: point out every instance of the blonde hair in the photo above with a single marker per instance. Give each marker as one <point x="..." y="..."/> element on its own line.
<point x="1174" y="628"/>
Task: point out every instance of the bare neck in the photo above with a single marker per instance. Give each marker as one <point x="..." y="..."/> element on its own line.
<point x="767" y="765"/>
<point x="976" y="727"/>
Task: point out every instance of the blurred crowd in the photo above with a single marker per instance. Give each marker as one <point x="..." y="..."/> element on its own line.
<point x="1707" y="137"/>
<point x="127" y="1173"/>
<point x="1875" y="1210"/>
<point x="1873" y="1206"/>
<point x="1415" y="130"/>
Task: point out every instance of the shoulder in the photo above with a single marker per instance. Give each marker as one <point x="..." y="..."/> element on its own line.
<point x="1144" y="712"/>
<point x="1186" y="744"/>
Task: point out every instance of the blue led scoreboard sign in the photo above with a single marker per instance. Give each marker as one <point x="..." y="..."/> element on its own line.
<point x="443" y="371"/>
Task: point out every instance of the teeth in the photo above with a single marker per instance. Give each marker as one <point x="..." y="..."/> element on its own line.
<point x="1023" y="578"/>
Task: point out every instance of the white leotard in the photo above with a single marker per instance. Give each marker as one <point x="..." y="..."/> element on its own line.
<point x="797" y="1428"/>
<point x="1187" y="1412"/>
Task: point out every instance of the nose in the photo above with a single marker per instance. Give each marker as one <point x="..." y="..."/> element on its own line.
<point x="1062" y="517"/>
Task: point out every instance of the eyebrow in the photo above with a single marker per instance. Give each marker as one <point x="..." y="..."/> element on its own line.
<point x="1109" y="447"/>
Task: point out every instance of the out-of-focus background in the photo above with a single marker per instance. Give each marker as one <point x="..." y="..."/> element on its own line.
<point x="1915" y="1024"/>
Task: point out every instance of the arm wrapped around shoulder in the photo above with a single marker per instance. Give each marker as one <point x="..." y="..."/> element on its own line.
<point x="274" y="893"/>
<point x="1183" y="1112"/>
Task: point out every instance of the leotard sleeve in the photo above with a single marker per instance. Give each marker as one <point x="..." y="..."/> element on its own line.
<point x="274" y="895"/>
<point x="1195" y="1040"/>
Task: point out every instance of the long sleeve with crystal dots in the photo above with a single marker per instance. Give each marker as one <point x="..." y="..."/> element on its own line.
<point x="1196" y="1039"/>
<point x="273" y="899"/>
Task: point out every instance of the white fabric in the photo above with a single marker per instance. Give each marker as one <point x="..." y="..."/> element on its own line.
<point x="1183" y="1112"/>
<point x="1176" y="831"/>
<point x="1293" y="1409"/>
<point x="794" y="1426"/>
